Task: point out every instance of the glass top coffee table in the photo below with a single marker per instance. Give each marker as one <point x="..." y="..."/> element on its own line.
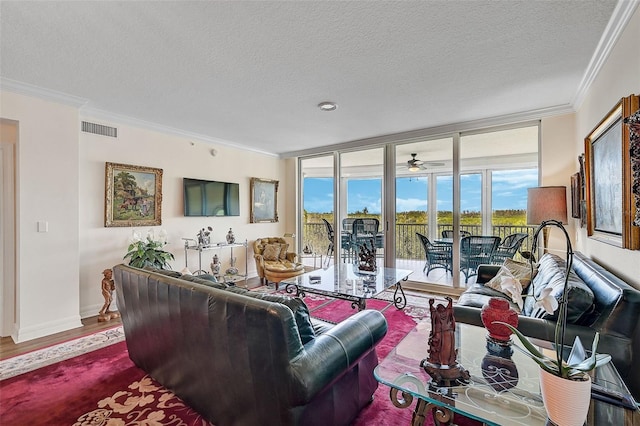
<point x="345" y="282"/>
<point x="503" y="390"/>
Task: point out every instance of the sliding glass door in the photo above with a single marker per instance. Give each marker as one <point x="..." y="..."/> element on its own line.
<point x="469" y="183"/>
<point x="317" y="218"/>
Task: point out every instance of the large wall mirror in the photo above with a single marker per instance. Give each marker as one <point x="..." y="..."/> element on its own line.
<point x="608" y="173"/>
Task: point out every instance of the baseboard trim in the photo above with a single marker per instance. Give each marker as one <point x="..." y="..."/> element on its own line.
<point x="24" y="334"/>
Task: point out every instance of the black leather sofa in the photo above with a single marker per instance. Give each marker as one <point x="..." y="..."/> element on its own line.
<point x="614" y="311"/>
<point x="242" y="358"/>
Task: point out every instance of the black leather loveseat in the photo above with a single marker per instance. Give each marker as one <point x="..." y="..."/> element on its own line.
<point x="613" y="310"/>
<point x="240" y="360"/>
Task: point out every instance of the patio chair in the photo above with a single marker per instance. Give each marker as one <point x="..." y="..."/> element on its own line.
<point x="448" y="233"/>
<point x="508" y="247"/>
<point x="476" y="250"/>
<point x="437" y="255"/>
<point x="330" y="237"/>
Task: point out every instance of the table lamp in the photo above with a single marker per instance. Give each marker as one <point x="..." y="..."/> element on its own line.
<point x="546" y="203"/>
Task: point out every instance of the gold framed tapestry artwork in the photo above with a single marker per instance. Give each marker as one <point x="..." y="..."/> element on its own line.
<point x="133" y="195"/>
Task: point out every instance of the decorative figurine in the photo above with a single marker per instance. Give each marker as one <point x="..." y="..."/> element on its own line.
<point x="215" y="265"/>
<point x="107" y="292"/>
<point x="367" y="256"/>
<point x="203" y="236"/>
<point x="441" y="364"/>
<point x="230" y="237"/>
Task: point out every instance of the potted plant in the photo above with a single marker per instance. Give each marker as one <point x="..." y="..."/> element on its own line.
<point x="565" y="385"/>
<point x="148" y="251"/>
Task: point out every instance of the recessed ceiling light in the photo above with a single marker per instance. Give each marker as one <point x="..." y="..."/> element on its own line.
<point x="327" y="106"/>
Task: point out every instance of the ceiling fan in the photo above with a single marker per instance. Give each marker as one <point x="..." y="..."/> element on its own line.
<point x="415" y="165"/>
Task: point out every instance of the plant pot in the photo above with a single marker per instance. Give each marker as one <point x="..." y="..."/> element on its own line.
<point x="566" y="401"/>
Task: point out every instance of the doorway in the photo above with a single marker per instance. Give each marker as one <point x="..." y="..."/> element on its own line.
<point x="8" y="291"/>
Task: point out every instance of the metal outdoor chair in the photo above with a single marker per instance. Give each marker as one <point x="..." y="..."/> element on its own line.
<point x="508" y="247"/>
<point x="437" y="255"/>
<point x="474" y="251"/>
<point x="448" y="233"/>
<point x="331" y="238"/>
<point x="365" y="230"/>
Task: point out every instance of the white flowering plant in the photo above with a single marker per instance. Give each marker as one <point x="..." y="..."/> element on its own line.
<point x="148" y="251"/>
<point x="557" y="366"/>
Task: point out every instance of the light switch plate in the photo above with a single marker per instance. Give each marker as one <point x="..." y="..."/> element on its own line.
<point x="43" y="226"/>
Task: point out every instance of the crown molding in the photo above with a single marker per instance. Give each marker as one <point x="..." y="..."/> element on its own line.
<point x="492" y="123"/>
<point x="41" y="93"/>
<point x="620" y="17"/>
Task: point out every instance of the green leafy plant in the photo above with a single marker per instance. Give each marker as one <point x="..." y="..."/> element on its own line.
<point x="148" y="251"/>
<point x="557" y="366"/>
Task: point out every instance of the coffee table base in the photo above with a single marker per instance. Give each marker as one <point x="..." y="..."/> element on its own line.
<point x="399" y="300"/>
<point x="441" y="415"/>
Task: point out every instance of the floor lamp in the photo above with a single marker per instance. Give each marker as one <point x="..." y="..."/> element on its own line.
<point x="546" y="203"/>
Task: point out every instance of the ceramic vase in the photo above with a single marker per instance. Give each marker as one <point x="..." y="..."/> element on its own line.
<point x="230" y="237"/>
<point x="566" y="401"/>
<point x="498" y="309"/>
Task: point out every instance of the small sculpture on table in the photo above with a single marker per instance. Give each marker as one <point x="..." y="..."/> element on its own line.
<point x="442" y="364"/>
<point x="367" y="257"/>
<point x="107" y="292"/>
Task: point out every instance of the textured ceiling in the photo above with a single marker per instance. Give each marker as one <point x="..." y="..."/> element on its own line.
<point x="252" y="73"/>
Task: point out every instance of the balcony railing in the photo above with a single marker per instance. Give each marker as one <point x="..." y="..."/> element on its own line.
<point x="407" y="244"/>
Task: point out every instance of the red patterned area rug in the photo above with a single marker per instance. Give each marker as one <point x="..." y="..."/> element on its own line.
<point x="103" y="387"/>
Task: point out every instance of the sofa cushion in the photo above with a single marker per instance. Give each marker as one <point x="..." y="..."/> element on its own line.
<point x="169" y="273"/>
<point x="271" y="252"/>
<point x="296" y="304"/>
<point x="204" y="279"/>
<point x="551" y="273"/>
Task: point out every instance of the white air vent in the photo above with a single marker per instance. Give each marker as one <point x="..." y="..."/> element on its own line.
<point x="99" y="129"/>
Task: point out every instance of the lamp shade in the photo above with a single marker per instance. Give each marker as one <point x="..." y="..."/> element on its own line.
<point x="546" y="203"/>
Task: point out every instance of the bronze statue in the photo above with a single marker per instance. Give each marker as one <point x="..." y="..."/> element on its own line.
<point x="441" y="363"/>
<point x="107" y="292"/>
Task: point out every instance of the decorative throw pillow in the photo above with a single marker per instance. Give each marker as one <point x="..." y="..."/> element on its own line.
<point x="283" y="250"/>
<point x="506" y="283"/>
<point x="521" y="271"/>
<point x="271" y="252"/>
<point x="512" y="279"/>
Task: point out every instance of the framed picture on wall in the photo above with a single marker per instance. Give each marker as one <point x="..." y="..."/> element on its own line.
<point x="608" y="179"/>
<point x="133" y="195"/>
<point x="264" y="200"/>
<point x="575" y="195"/>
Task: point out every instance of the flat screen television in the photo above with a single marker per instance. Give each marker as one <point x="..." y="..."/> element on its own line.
<point x="211" y="198"/>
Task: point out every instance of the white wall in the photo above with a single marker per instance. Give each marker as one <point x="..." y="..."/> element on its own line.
<point x="47" y="190"/>
<point x="178" y="157"/>
<point x="619" y="77"/>
<point x="558" y="161"/>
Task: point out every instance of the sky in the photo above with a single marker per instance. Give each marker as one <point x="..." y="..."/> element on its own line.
<point x="509" y="191"/>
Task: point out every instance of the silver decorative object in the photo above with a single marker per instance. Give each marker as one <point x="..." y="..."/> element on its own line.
<point x="215" y="265"/>
<point x="230" y="237"/>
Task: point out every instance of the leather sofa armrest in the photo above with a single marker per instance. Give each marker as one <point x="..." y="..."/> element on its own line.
<point x="328" y="355"/>
<point x="486" y="272"/>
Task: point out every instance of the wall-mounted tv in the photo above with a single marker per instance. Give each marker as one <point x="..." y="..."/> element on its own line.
<point x="211" y="198"/>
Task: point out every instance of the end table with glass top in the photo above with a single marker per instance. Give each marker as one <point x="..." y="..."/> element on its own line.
<point x="503" y="390"/>
<point x="344" y="281"/>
